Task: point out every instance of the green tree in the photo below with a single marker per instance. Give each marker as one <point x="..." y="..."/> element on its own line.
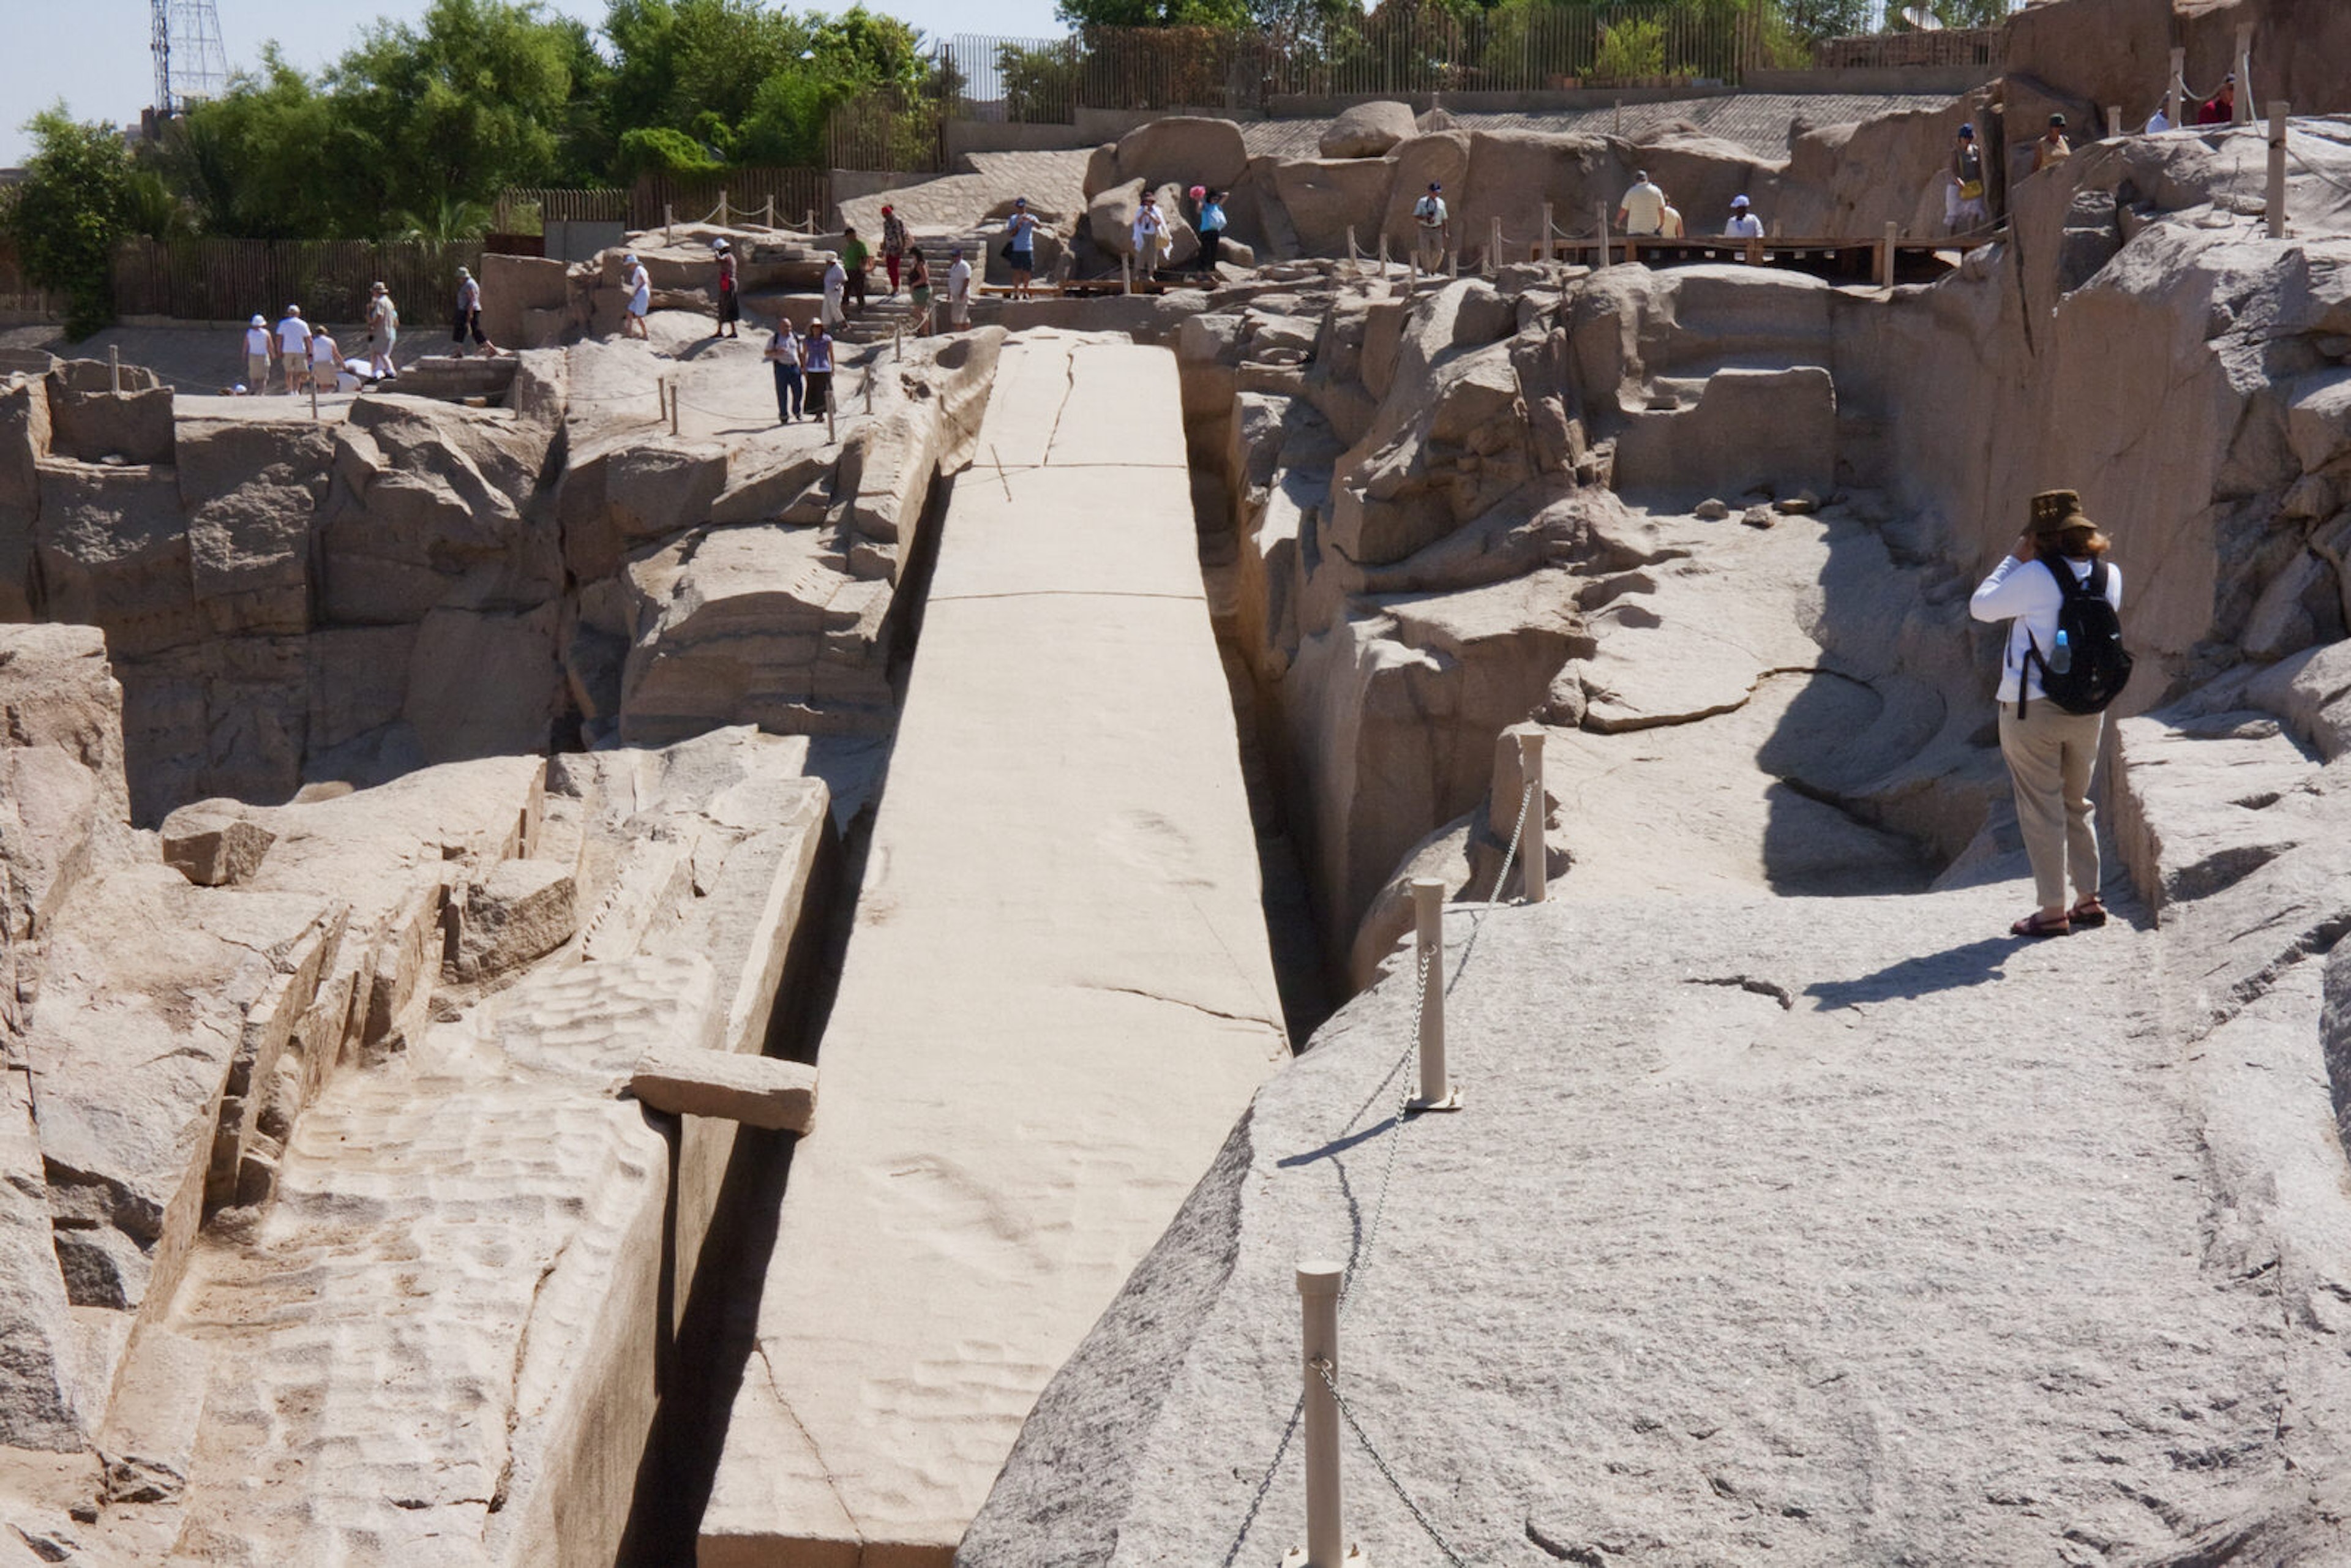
<point x="76" y="205"/>
<point x="267" y="160"/>
<point x="1219" y="14"/>
<point x="678" y="59"/>
<point x="658" y="150"/>
<point x="457" y="109"/>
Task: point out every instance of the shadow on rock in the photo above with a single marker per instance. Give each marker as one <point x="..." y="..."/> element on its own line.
<point x="1949" y="970"/>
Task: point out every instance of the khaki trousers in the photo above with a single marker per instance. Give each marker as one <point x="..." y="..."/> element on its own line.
<point x="2051" y="754"/>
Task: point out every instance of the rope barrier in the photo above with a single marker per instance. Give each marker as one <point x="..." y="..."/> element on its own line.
<point x="1364" y="1253"/>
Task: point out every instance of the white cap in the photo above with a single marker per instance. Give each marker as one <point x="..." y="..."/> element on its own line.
<point x="261" y="320"/>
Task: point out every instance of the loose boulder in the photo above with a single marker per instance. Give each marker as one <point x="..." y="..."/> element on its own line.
<point x="1368" y="130"/>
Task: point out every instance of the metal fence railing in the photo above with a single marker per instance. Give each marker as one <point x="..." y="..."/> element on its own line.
<point x="888" y="132"/>
<point x="1394" y="49"/>
<point x="1911" y="50"/>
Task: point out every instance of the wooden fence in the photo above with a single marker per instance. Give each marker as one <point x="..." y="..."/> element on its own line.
<point x="748" y="194"/>
<point x="230" y="279"/>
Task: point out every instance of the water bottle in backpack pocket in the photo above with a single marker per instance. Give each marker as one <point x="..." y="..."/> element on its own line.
<point x="2088" y="666"/>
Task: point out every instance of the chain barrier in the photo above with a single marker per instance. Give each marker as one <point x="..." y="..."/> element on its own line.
<point x="1364" y="1253"/>
<point x="1388" y="1472"/>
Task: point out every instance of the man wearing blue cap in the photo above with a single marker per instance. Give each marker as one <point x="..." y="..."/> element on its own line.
<point x="1970" y="211"/>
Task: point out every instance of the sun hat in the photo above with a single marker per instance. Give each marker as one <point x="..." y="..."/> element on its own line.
<point x="2057" y="120"/>
<point x="463" y="273"/>
<point x="1967" y="133"/>
<point x="378" y="288"/>
<point x="1197" y="192"/>
<point x="261" y="320"/>
<point x="1436" y="184"/>
<point x="718" y="245"/>
<point x="292" y="309"/>
<point x="630" y="259"/>
<point x="2058" y="511"/>
<point x="1738" y="201"/>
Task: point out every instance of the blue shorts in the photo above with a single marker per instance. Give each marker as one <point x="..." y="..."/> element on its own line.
<point x="1021" y="260"/>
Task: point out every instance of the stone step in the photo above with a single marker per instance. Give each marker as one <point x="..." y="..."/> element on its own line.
<point x="452" y="379"/>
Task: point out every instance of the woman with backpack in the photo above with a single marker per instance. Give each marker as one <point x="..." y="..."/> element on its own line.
<point x="2064" y="664"/>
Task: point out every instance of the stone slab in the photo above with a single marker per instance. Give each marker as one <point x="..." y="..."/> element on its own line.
<point x="758" y="1091"/>
<point x="1064" y="867"/>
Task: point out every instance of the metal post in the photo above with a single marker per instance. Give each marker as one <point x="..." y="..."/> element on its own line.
<point x="669" y="223"/>
<point x="314" y="394"/>
<point x="768" y="212"/>
<point x="114" y="369"/>
<point x="2244" y="115"/>
<point x="1886" y="255"/>
<point x="723" y="215"/>
<point x="810" y="218"/>
<point x="1126" y="274"/>
<point x="1354" y="261"/>
<point x="1547" y="252"/>
<point x="2172" y="106"/>
<point x="897" y="344"/>
<point x="1318" y="1299"/>
<point x="673" y="408"/>
<point x="1600" y="214"/>
<point x="2113" y="121"/>
<point x="1429" y="956"/>
<point x="832" y="409"/>
<point x="1532" y="853"/>
<point x="2278" y="112"/>
<point x="1383" y="256"/>
<point x="1493" y="249"/>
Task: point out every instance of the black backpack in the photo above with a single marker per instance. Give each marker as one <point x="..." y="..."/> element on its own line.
<point x="2093" y="634"/>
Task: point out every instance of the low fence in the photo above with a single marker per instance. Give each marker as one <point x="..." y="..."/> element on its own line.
<point x="230" y="279"/>
<point x="783" y="197"/>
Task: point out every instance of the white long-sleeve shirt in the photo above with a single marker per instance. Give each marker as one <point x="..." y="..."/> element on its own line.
<point x="2023" y="594"/>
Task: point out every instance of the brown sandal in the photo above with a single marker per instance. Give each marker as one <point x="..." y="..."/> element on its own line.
<point x="2034" y="925"/>
<point x="2089" y="911"/>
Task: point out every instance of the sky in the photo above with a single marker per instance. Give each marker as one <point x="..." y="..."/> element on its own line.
<point x="93" y="53"/>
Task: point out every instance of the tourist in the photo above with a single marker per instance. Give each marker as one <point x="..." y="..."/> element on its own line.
<point x="2052" y="147"/>
<point x="856" y="261"/>
<point x="1149" y="235"/>
<point x="2158" y="121"/>
<point x="1743" y="223"/>
<point x="1020" y="247"/>
<point x="469" y="315"/>
<point x="1642" y="213"/>
<point x="383" y="332"/>
<point x="1211" y="227"/>
<point x="326" y="363"/>
<point x="2221" y="109"/>
<point x="730" y="293"/>
<point x="1970" y="211"/>
<point x="958" y="290"/>
<point x="294" y="348"/>
<point x="784" y="353"/>
<point x="640" y="285"/>
<point x="815" y="357"/>
<point x="918" y="287"/>
<point x="2050" y="750"/>
<point x="836" y="285"/>
<point x="258" y="344"/>
<point x="894" y="244"/>
<point x="1433" y="229"/>
<point x="1669" y="224"/>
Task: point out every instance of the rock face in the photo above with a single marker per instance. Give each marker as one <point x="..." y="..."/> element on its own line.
<point x="287" y="602"/>
<point x="252" y="1067"/>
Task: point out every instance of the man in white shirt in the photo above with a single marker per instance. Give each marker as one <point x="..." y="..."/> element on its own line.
<point x="294" y="348"/>
<point x="1149" y="232"/>
<point x="1743" y="223"/>
<point x="958" y="290"/>
<point x="1432" y="228"/>
<point x="258" y="344"/>
<point x="2050" y="752"/>
<point x="1642" y="213"/>
<point x="2158" y="121"/>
